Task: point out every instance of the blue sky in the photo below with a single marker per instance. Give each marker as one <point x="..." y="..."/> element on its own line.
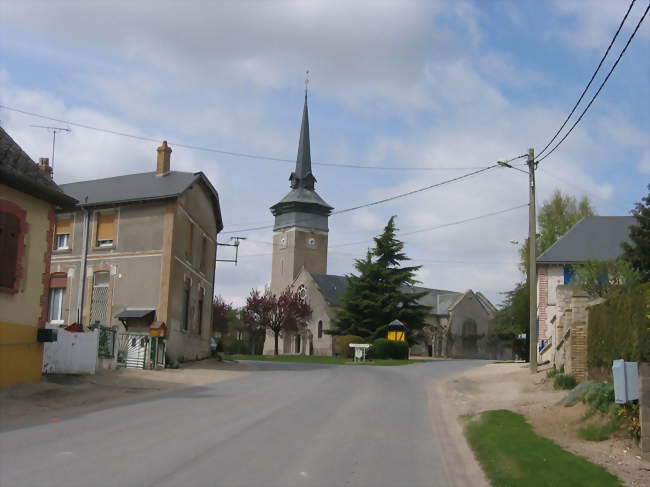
<point x="434" y="84"/>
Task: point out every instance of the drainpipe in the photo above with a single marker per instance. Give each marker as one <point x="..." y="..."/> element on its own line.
<point x="84" y="257"/>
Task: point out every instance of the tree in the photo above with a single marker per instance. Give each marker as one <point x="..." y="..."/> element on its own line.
<point x="221" y="315"/>
<point x="555" y="218"/>
<point x="638" y="253"/>
<point x="286" y="312"/>
<point x="599" y="278"/>
<point x="383" y="291"/>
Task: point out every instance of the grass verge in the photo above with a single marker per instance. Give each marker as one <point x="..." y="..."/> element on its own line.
<point x="318" y="359"/>
<point x="513" y="455"/>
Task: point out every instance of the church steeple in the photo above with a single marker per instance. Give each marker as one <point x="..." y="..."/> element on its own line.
<point x="302" y="177"/>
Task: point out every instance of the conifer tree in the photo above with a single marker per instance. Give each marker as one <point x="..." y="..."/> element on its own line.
<point x="382" y="292"/>
<point x="638" y="253"/>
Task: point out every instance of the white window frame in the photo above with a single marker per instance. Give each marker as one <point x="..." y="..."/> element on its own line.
<point x="57" y="295"/>
<point x="66" y="246"/>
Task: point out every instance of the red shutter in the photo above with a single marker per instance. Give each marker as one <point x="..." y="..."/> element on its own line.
<point x="58" y="280"/>
<point x="9" y="237"/>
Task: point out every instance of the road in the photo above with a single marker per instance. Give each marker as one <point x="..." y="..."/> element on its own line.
<point x="282" y="425"/>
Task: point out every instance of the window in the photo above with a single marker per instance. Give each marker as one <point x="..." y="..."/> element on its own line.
<point x="11" y="237"/>
<point x="63" y="228"/>
<point x="199" y="317"/>
<point x="185" y="310"/>
<point x="204" y="251"/>
<point x="568" y="274"/>
<point x="320" y="329"/>
<point x="302" y="292"/>
<point x="99" y="300"/>
<point x="190" y="242"/>
<point x="58" y="283"/>
<point x="105" y="229"/>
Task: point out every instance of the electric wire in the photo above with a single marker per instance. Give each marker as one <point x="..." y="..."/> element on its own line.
<point x="593" y="76"/>
<point x="237" y="154"/>
<point x="599" y="88"/>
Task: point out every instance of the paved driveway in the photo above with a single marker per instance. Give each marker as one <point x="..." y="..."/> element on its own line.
<point x="283" y="425"/>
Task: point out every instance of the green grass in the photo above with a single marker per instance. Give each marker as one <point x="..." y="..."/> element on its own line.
<point x="600" y="432"/>
<point x="318" y="359"/>
<point x="513" y="455"/>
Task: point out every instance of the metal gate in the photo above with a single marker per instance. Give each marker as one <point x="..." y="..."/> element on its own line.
<point x="140" y="351"/>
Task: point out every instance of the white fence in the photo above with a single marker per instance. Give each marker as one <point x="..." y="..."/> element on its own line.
<point x="72" y="353"/>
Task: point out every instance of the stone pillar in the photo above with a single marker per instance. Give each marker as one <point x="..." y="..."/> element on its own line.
<point x="644" y="408"/>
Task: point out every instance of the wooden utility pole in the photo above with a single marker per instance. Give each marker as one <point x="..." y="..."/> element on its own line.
<point x="532" y="262"/>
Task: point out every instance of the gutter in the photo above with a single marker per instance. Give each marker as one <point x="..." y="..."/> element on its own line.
<point x="82" y="270"/>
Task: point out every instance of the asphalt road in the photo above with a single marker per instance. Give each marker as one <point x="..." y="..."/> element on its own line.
<point x="283" y="425"/>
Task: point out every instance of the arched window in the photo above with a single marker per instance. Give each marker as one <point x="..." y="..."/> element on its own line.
<point x="320" y="328"/>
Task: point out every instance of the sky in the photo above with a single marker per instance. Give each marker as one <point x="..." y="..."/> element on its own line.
<point x="445" y="85"/>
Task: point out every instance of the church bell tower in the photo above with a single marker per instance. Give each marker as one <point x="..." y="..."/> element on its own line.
<point x="300" y="230"/>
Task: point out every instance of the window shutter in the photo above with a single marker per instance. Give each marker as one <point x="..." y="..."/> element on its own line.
<point x="106" y="227"/>
<point x="9" y="241"/>
<point x="63" y="226"/>
<point x="58" y="280"/>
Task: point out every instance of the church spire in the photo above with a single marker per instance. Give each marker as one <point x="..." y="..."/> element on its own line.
<point x="302" y="177"/>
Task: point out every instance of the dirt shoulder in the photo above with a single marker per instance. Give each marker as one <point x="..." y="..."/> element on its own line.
<point x="511" y="386"/>
<point x="55" y="393"/>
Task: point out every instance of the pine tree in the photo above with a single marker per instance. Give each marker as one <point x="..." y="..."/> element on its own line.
<point x="383" y="291"/>
<point x="638" y="254"/>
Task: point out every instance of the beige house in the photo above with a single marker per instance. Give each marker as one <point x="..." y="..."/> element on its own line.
<point x="28" y="199"/>
<point x="136" y="249"/>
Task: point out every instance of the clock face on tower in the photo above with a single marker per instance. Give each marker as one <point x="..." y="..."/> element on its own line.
<point x="283" y="243"/>
<point x="311" y="243"/>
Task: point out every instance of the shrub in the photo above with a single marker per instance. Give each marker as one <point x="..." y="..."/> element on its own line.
<point x="600" y="432"/>
<point x="235" y="347"/>
<point x="552" y="372"/>
<point x="600" y="396"/>
<point x="564" y="381"/>
<point x="578" y="393"/>
<point x="343" y="345"/>
<point x="390" y="349"/>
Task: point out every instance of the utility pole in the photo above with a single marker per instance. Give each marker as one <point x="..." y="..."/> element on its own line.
<point x="532" y="262"/>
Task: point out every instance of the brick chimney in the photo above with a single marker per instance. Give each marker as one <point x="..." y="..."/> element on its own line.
<point x="44" y="165"/>
<point x="164" y="154"/>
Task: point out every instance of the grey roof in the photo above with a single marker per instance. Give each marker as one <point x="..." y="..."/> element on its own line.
<point x="139" y="187"/>
<point x="302" y="198"/>
<point x="134" y="313"/>
<point x="489" y="308"/>
<point x="593" y="237"/>
<point x="333" y="287"/>
<point x="19" y="171"/>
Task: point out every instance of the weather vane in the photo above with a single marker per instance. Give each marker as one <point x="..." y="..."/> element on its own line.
<point x="306" y="82"/>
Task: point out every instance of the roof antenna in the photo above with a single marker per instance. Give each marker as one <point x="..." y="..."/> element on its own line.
<point x="54" y="130"/>
<point x="306" y="83"/>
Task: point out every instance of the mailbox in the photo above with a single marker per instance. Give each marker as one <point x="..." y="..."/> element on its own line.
<point x="626" y="381"/>
<point x="46" y="335"/>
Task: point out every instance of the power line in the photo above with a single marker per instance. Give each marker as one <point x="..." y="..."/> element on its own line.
<point x="384" y="200"/>
<point x="600" y="87"/>
<point x="593" y="76"/>
<point x="237" y="154"/>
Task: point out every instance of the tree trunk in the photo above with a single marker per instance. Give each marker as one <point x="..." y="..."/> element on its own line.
<point x="276" y="335"/>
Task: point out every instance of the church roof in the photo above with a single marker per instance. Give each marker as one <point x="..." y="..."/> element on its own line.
<point x="333" y="287"/>
<point x="302" y="197"/>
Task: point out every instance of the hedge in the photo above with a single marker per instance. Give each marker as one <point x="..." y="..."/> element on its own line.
<point x="620" y="328"/>
<point x="383" y="348"/>
<point x="343" y="344"/>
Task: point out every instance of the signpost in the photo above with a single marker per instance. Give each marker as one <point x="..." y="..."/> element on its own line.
<point x="360" y="350"/>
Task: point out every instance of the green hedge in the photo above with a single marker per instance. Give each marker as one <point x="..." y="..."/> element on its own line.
<point x="343" y="345"/>
<point x="620" y="328"/>
<point x="382" y="348"/>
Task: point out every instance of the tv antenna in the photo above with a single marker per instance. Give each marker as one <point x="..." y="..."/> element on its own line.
<point x="54" y="130"/>
<point x="234" y="244"/>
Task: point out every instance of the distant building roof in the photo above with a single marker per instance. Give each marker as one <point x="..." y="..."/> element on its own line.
<point x="139" y="187"/>
<point x="593" y="237"/>
<point x="19" y="171"/>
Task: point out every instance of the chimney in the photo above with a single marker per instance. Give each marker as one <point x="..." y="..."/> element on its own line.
<point x="44" y="165"/>
<point x="164" y="153"/>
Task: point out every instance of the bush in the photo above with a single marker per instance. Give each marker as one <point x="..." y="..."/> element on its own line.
<point x="343" y="345"/>
<point x="552" y="372"/>
<point x="600" y="396"/>
<point x="620" y="328"/>
<point x="390" y="349"/>
<point x="578" y="393"/>
<point x="235" y="347"/>
<point x="564" y="381"/>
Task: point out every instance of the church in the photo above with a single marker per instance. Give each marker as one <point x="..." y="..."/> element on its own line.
<point x="458" y="325"/>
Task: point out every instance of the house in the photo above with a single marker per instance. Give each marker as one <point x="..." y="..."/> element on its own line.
<point x="139" y="250"/>
<point x="28" y="199"/>
<point x="593" y="237"/>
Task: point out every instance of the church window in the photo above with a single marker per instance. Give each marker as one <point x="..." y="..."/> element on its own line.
<point x="320" y="328"/>
<point x="302" y="292"/>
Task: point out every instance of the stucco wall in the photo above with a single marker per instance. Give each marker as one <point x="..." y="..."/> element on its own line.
<point x="21" y="313"/>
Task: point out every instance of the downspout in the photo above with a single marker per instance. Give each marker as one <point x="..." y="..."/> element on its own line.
<point x="84" y="258"/>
